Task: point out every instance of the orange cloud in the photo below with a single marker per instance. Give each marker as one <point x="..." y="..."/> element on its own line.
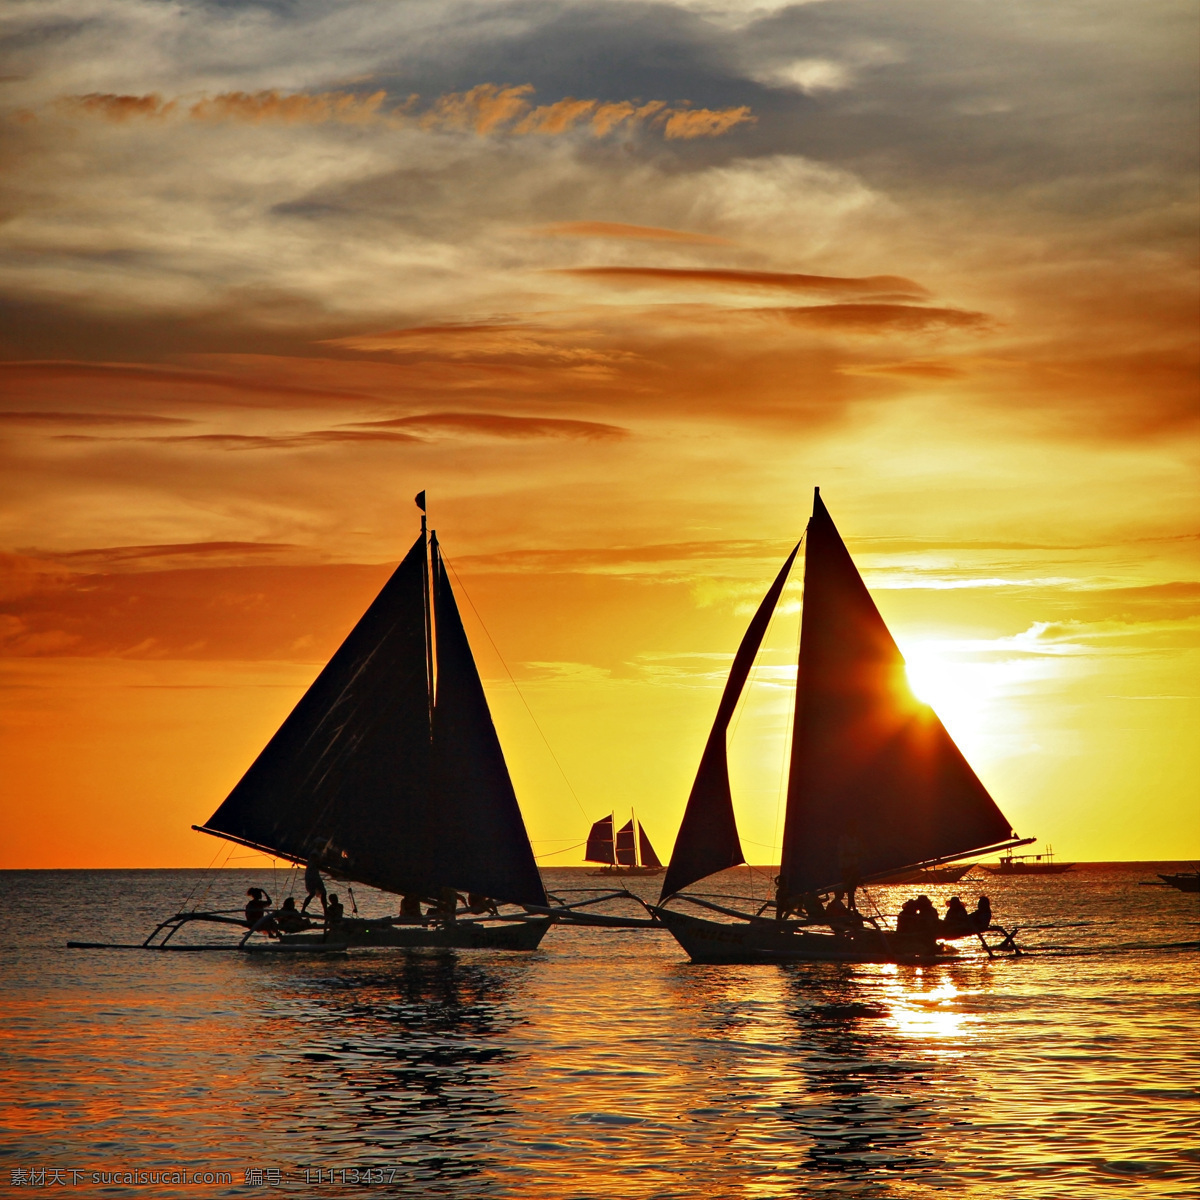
<point x="881" y="318"/>
<point x="917" y="369"/>
<point x="556" y="118"/>
<point x="54" y="419"/>
<point x="782" y="280"/>
<point x="614" y="229"/>
<point x="487" y="108"/>
<point x="504" y="426"/>
<point x="482" y="109"/>
<point x="119" y="108"/>
<point x="706" y="122"/>
<point x="297" y="107"/>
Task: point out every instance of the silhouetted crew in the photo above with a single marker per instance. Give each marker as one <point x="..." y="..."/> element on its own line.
<point x="257" y="906"/>
<point x="333" y="911"/>
<point x="289" y="918"/>
<point x="477" y="903"/>
<point x="907" y="921"/>
<point x="981" y="918"/>
<point x="926" y="914"/>
<point x="957" y="920"/>
<point x="315" y="886"/>
<point x="840" y="918"/>
<point x="410" y="906"/>
<point x="446" y="907"/>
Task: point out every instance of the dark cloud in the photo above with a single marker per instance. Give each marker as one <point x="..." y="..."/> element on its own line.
<point x="502" y="426"/>
<point x="122" y="554"/>
<point x="86" y="418"/>
<point x="881" y="318"/>
<point x="394" y="429"/>
<point x="773" y="280"/>
<point x="247" y="441"/>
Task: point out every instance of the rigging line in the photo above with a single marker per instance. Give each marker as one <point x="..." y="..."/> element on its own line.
<point x="552" y="853"/>
<point x="514" y="683"/>
<point x="192" y="891"/>
<point x="789" y="728"/>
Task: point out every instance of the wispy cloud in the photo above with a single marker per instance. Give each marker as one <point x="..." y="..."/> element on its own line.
<point x="617" y="230"/>
<point x="787" y="281"/>
<point x="487" y="108"/>
<point x="503" y="426"/>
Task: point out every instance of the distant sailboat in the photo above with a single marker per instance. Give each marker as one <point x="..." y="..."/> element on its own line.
<point x="876" y="786"/>
<point x="630" y="853"/>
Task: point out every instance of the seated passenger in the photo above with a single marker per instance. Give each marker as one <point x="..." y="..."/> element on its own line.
<point x="957" y="920"/>
<point x="981" y="918"/>
<point x="907" y="921"/>
<point x="477" y="903"/>
<point x="257" y="906"/>
<point x="926" y="915"/>
<point x="446" y="905"/>
<point x="333" y="911"/>
<point x="410" y="906"/>
<point x="289" y="918"/>
<point x="813" y="909"/>
<point x="839" y="917"/>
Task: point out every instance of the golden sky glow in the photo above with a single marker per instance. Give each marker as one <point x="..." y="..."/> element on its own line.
<point x="618" y="285"/>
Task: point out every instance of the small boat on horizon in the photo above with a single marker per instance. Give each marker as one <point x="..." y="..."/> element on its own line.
<point x="877" y="790"/>
<point x="629" y="853"/>
<point x="1183" y="881"/>
<point x="1028" y="864"/>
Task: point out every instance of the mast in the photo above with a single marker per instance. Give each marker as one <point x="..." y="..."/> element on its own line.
<point x="419" y="501"/>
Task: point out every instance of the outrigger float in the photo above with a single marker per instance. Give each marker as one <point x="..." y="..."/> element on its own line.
<point x="876" y="789"/>
<point x="389" y="772"/>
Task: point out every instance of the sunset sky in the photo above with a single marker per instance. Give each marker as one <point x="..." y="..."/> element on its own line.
<point x="617" y="283"/>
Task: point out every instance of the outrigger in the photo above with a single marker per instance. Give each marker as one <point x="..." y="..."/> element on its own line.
<point x="876" y="787"/>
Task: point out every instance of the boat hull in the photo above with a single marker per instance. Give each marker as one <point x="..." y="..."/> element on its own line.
<point x="525" y="934"/>
<point x="1185" y="881"/>
<point x="606" y="871"/>
<point x="761" y="941"/>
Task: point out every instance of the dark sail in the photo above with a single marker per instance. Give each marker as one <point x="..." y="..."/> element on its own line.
<point x="600" y="842"/>
<point x="708" y="839"/>
<point x="476" y="837"/>
<point x="649" y="858"/>
<point x="348" y="773"/>
<point x="626" y="854"/>
<point x="876" y="783"/>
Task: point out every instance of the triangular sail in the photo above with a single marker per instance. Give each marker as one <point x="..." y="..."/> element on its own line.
<point x="876" y="783"/>
<point x="477" y="839"/>
<point x="649" y="858"/>
<point x="348" y="772"/>
<point x="600" y="842"/>
<point x="626" y="854"/>
<point x="708" y="838"/>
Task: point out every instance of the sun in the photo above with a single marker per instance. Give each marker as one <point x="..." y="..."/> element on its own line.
<point x="961" y="689"/>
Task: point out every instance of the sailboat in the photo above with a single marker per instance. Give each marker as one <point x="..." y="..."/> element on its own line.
<point x="876" y="786"/>
<point x="630" y="853"/>
<point x="389" y="772"/>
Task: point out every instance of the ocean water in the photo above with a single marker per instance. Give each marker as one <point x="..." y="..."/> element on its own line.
<point x="604" y="1065"/>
